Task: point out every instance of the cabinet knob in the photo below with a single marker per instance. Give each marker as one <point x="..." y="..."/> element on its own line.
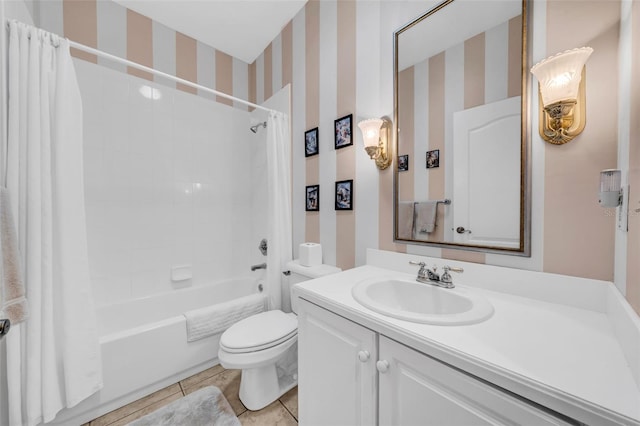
<point x="364" y="356"/>
<point x="382" y="366"/>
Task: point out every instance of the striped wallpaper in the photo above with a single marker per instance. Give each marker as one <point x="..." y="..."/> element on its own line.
<point x="110" y="27"/>
<point x="337" y="57"/>
<point x="571" y="233"/>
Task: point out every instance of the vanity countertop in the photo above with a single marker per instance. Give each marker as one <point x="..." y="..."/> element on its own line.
<point x="565" y="356"/>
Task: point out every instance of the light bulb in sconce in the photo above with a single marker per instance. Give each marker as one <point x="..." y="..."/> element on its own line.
<point x="610" y="188"/>
<point x="375" y="135"/>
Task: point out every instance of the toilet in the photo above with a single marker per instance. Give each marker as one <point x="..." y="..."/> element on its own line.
<point x="264" y="346"/>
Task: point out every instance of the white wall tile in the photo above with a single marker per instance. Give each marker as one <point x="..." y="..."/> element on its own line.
<point x="112" y="290"/>
<point x="168" y="183"/>
<point x="147" y="283"/>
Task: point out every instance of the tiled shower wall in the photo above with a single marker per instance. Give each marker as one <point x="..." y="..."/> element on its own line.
<point x="165" y="185"/>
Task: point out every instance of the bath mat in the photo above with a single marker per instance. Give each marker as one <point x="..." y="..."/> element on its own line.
<point x="204" y="407"/>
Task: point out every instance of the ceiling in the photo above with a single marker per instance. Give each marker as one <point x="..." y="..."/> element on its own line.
<point x="240" y="28"/>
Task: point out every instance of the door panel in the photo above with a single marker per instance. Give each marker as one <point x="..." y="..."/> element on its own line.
<point x="486" y="160"/>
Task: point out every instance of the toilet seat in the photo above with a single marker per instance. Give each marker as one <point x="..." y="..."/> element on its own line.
<point x="259" y="332"/>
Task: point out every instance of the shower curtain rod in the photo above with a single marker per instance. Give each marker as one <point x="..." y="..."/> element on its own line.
<point x="162" y="74"/>
<point x="132" y="64"/>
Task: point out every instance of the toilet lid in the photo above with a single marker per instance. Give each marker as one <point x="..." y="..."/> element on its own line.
<point x="260" y="331"/>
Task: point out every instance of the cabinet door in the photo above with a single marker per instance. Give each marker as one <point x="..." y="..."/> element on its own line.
<point x="336" y="369"/>
<point x="418" y="390"/>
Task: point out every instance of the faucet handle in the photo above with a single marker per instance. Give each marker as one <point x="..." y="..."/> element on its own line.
<point x="446" y="276"/>
<point x="423" y="271"/>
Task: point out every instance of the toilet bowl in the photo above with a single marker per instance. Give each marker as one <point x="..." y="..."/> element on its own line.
<point x="264" y="346"/>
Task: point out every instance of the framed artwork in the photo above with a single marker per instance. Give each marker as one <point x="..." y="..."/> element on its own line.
<point x="403" y="163"/>
<point x="311" y="142"/>
<point x="343" y="130"/>
<point x="344" y="195"/>
<point x="433" y="159"/>
<point x="313" y="198"/>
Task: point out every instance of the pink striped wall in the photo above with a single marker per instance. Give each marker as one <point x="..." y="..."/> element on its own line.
<point x="84" y="20"/>
<point x="577" y="238"/>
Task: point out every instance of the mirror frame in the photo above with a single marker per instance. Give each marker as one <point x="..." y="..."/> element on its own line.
<point x="525" y="147"/>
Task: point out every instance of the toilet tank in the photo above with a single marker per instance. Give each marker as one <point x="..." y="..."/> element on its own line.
<point x="301" y="273"/>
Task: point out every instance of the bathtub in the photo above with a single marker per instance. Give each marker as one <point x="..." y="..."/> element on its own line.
<point x="144" y="345"/>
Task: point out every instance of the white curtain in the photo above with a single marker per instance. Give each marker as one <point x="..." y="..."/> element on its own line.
<point x="279" y="233"/>
<point x="53" y="359"/>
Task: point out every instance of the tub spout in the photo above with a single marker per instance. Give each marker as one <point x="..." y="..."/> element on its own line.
<point x="259" y="266"/>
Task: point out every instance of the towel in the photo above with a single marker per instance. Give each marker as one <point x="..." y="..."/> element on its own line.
<point x="425" y="218"/>
<point x="14" y="304"/>
<point x="217" y="318"/>
<point x="405" y="220"/>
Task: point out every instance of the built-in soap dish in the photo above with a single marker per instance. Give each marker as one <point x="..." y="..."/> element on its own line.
<point x="181" y="273"/>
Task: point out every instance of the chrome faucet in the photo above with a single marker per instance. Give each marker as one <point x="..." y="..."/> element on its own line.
<point x="431" y="276"/>
<point x="259" y="266"/>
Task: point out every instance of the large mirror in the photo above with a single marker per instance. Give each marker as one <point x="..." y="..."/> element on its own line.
<point x="461" y="126"/>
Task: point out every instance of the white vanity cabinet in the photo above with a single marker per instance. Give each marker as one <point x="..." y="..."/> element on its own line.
<point x="336" y="369"/>
<point x="415" y="389"/>
<point x="351" y="375"/>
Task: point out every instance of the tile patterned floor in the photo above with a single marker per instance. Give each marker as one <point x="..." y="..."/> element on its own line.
<point x="283" y="412"/>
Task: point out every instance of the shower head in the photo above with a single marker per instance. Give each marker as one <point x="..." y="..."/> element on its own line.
<point x="254" y="129"/>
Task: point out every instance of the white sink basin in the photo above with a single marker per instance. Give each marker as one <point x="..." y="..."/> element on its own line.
<point x="412" y="301"/>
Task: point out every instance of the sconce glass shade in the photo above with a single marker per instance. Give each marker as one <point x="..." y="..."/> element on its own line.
<point x="370" y="131"/>
<point x="559" y="75"/>
<point x="375" y="134"/>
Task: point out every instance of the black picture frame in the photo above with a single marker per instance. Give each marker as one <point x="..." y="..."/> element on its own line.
<point x="403" y="163"/>
<point x="433" y="159"/>
<point x="344" y="195"/>
<point x="311" y="145"/>
<point x="343" y="131"/>
<point x="312" y="198"/>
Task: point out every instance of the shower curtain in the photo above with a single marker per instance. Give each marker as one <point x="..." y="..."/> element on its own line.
<point x="279" y="233"/>
<point x="53" y="359"/>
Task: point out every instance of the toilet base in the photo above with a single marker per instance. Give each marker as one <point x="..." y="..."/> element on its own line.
<point x="261" y="386"/>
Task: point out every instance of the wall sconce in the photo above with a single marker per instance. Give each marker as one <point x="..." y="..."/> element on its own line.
<point x="375" y="133"/>
<point x="561" y="86"/>
<point x="610" y="188"/>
